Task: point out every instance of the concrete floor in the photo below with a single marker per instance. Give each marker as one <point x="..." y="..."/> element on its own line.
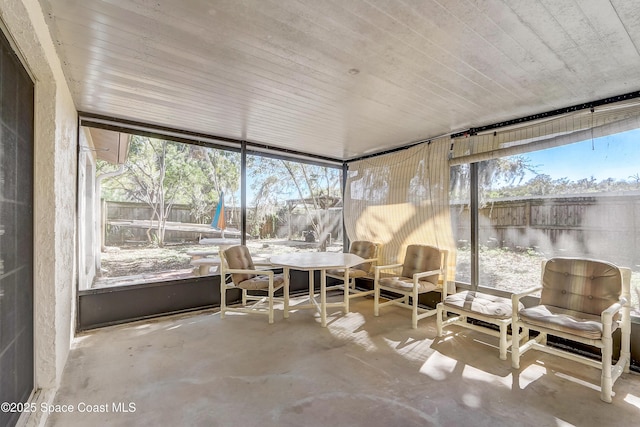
<point x="200" y="370"/>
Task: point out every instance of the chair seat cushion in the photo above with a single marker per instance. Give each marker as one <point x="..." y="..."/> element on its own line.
<point x="353" y="272"/>
<point x="405" y="284"/>
<point x="480" y="303"/>
<point x="261" y="282"/>
<point x="572" y="322"/>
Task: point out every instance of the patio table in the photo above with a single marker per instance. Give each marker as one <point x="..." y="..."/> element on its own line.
<point x="312" y="261"/>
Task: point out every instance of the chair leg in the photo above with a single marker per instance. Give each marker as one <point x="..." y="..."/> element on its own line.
<point x="286" y="293"/>
<point x="515" y="347"/>
<point x="606" y="384"/>
<point x="271" y="292"/>
<point x="414" y="312"/>
<point x="346" y="292"/>
<point x="439" y="315"/>
<point x="625" y="344"/>
<point x="376" y="298"/>
<point x="223" y="297"/>
<point x="503" y="341"/>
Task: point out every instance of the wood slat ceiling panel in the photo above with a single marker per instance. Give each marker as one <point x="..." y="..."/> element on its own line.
<point x="145" y="75"/>
<point x="277" y="72"/>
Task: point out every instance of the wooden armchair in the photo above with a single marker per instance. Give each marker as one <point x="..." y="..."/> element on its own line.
<point x="421" y="270"/>
<point x="364" y="249"/>
<point x="237" y="270"/>
<point x="584" y="301"/>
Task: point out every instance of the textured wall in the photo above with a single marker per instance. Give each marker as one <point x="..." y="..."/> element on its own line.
<point x="55" y="190"/>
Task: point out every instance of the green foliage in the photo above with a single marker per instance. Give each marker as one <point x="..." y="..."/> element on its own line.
<point x="185" y="174"/>
<point x="276" y="181"/>
<point x="212" y="173"/>
<point x="273" y="181"/>
<point x="502" y="171"/>
<point x="543" y="185"/>
<point x="161" y="173"/>
<point x="502" y="178"/>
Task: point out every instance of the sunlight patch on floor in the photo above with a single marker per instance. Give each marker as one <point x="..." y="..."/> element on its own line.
<point x="530" y="374"/>
<point x="563" y="423"/>
<point x="633" y="400"/>
<point x="348" y="327"/>
<point x="471" y="400"/>
<point x="472" y="373"/>
<point x="438" y="367"/>
<point x="416" y="350"/>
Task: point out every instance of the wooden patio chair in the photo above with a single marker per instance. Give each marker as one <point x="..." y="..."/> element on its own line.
<point x="421" y="271"/>
<point x="364" y="249"/>
<point x="238" y="271"/>
<point x="581" y="300"/>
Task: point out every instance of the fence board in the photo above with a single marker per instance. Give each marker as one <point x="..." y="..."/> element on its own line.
<point x="119" y="233"/>
<point x="602" y="226"/>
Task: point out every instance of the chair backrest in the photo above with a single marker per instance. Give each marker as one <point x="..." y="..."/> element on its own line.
<point x="238" y="257"/>
<point x="366" y="250"/>
<point x="420" y="258"/>
<point x="584" y="285"/>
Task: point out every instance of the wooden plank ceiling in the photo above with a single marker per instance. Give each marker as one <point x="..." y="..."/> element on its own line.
<point x="341" y="78"/>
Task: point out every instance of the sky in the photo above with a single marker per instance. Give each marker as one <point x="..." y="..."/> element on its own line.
<point x="614" y="156"/>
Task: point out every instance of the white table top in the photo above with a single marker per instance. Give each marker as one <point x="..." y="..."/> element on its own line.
<point x="316" y="260"/>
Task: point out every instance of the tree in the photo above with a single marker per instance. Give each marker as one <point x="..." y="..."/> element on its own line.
<point x="162" y="173"/>
<point x="493" y="173"/>
<point x="540" y="185"/>
<point x="314" y="188"/>
<point x="213" y="172"/>
<point x="155" y="174"/>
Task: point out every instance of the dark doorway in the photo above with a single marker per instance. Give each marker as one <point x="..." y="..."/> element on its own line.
<point x="16" y="234"/>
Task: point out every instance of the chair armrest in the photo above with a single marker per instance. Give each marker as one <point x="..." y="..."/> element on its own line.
<point x="417" y="276"/>
<point x="609" y="312"/>
<point x="378" y="268"/>
<point x="263" y="265"/>
<point x="241" y="271"/>
<point x="515" y="301"/>
<point x="387" y="267"/>
<point x="373" y="262"/>
<point x="515" y="298"/>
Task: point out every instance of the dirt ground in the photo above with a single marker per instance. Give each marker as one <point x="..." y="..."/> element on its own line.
<point x="143" y="259"/>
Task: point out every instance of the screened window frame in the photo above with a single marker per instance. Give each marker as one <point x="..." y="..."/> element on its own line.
<point x="562" y="129"/>
<point x="244" y="148"/>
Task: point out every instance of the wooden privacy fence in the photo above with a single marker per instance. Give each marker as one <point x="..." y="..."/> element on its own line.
<point x="123" y="223"/>
<point x="599" y="226"/>
<point x="118" y="232"/>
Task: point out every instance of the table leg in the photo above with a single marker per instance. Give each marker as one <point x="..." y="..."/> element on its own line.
<point x="323" y="297"/>
<point x="286" y="293"/>
<point x="345" y="309"/>
<point x="312" y="298"/>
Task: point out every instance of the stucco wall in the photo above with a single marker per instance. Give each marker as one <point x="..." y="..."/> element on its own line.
<point x="55" y="190"/>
